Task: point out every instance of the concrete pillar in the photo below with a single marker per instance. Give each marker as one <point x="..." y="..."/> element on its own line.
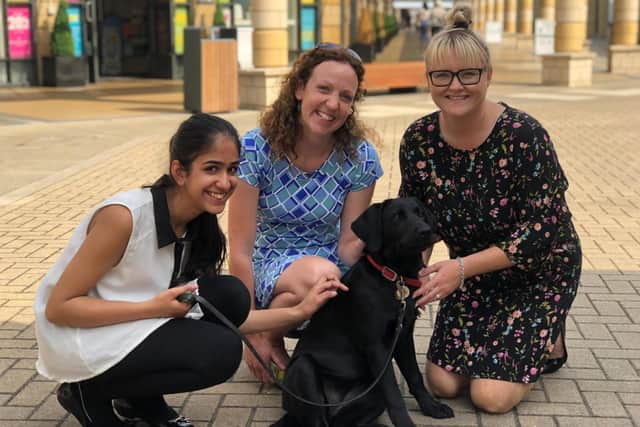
<point x="270" y="43"/>
<point x="571" y="25"/>
<point x="548" y="9"/>
<point x="499" y="12"/>
<point x="490" y="10"/>
<point x="571" y="65"/>
<point x="330" y="31"/>
<point x="475" y="13"/>
<point x="510" y="15"/>
<point x="625" y="22"/>
<point x="482" y="15"/>
<point x="525" y="17"/>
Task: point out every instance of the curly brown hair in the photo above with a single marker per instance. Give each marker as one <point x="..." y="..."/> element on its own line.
<point x="280" y="122"/>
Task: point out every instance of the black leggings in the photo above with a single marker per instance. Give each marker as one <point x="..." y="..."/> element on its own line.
<point x="183" y="354"/>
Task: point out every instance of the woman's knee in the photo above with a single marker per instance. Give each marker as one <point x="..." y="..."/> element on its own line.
<point x="442" y="383"/>
<point x="229" y="295"/>
<point x="305" y="272"/>
<point x="497" y="397"/>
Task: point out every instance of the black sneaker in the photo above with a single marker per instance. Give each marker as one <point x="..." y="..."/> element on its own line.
<point x="90" y="414"/>
<point x="138" y="417"/>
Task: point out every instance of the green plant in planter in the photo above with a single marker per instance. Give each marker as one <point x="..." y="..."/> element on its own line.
<point x="61" y="40"/>
<point x="218" y="17"/>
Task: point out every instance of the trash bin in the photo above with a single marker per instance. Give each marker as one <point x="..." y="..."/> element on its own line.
<point x="210" y="73"/>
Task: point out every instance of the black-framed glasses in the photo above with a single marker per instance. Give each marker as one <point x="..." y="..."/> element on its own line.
<point x="466" y="77"/>
<point x="329" y="45"/>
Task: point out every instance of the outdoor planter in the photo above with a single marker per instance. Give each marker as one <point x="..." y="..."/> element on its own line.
<point x="64" y="71"/>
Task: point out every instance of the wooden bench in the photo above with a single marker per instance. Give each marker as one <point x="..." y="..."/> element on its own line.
<point x="394" y="75"/>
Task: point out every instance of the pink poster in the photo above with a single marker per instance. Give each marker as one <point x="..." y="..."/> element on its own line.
<point x="19" y="31"/>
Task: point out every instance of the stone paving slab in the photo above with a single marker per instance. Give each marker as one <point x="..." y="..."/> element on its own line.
<point x="598" y="145"/>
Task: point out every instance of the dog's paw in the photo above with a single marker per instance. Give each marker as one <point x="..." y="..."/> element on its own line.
<point x="435" y="409"/>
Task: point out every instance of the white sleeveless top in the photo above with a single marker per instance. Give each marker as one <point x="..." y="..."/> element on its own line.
<point x="68" y="354"/>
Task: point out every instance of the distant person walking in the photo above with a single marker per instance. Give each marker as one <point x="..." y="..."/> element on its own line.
<point x="423" y="23"/>
<point x="437" y="18"/>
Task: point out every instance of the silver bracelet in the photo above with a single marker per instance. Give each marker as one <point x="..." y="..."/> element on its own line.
<point x="461" y="270"/>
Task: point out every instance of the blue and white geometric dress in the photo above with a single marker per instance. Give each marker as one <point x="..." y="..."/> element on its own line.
<point x="298" y="212"/>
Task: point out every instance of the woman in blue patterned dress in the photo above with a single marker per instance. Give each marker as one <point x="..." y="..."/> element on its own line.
<point x="490" y="174"/>
<point x="305" y="175"/>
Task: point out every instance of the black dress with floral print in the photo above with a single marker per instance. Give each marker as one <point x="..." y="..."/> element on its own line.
<point x="508" y="193"/>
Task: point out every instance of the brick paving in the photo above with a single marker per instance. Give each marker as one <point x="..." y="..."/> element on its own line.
<point x="60" y="158"/>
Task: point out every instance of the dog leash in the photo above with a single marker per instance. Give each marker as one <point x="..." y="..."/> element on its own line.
<point x="191" y="298"/>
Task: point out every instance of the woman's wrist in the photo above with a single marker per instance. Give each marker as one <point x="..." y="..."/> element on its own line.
<point x="461" y="274"/>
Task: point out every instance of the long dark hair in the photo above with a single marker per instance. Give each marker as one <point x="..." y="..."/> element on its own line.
<point x="194" y="137"/>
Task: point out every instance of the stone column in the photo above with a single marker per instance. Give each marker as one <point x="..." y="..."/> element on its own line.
<point x="510" y="15"/>
<point x="548" y="9"/>
<point x="330" y="31"/>
<point x="482" y="15"/>
<point x="475" y="14"/>
<point x="260" y="86"/>
<point x="624" y="52"/>
<point x="270" y="41"/>
<point x="525" y="17"/>
<point x="499" y="12"/>
<point x="571" y="65"/>
<point x="571" y="25"/>
<point x="625" y="22"/>
<point x="490" y="10"/>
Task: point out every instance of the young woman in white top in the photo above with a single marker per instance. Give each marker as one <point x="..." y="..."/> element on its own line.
<point x="108" y="324"/>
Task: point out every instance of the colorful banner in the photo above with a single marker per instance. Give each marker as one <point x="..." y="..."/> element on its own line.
<point x="180" y="21"/>
<point x="19" y="31"/>
<point x="307" y="28"/>
<point x="73" y="12"/>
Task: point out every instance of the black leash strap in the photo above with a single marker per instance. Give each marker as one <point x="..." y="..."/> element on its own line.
<point x="192" y="298"/>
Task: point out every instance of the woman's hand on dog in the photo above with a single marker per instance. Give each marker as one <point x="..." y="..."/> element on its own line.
<point x="325" y="289"/>
<point x="438" y="281"/>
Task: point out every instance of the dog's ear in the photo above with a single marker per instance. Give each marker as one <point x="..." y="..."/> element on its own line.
<point x="368" y="227"/>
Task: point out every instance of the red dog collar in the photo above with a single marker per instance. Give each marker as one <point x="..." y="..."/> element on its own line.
<point x="391" y="275"/>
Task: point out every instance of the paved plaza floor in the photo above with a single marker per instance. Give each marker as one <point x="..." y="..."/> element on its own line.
<point x="65" y="150"/>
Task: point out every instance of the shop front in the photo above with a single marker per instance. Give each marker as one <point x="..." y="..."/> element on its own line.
<point x="142" y="38"/>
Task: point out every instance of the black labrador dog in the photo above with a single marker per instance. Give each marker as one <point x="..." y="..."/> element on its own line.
<point x="347" y="342"/>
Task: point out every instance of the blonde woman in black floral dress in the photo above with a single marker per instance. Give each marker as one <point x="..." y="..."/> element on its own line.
<point x="491" y="176"/>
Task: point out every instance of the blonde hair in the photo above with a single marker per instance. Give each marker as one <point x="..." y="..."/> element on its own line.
<point x="458" y="40"/>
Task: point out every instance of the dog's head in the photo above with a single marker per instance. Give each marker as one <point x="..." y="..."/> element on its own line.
<point x="396" y="228"/>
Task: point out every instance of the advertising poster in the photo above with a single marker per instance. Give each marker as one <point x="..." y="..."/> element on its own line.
<point x="180" y="21"/>
<point x="307" y="28"/>
<point x="19" y="31"/>
<point x="73" y="12"/>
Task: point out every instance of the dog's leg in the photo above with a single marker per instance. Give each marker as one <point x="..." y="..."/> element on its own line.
<point x="405" y="356"/>
<point x="362" y="412"/>
<point x="396" y="407"/>
<point x="303" y="378"/>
